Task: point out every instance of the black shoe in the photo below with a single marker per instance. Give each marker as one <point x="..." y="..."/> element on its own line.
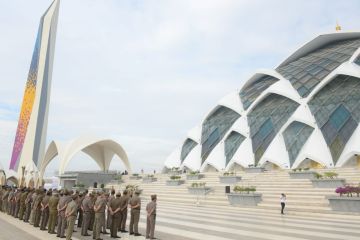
<point x="131" y="233"/>
<point x="137" y="234"/>
<point x="123" y="231"/>
<point x="86" y="235"/>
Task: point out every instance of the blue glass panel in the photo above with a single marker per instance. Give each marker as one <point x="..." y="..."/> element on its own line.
<point x="339" y="117"/>
<point x="210" y="143"/>
<point x="186" y="148"/>
<point x="309" y="70"/>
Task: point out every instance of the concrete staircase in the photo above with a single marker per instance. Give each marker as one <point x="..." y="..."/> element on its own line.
<point x="302" y="197"/>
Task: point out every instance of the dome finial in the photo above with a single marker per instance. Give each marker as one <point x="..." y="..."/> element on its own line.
<point x="338" y="27"/>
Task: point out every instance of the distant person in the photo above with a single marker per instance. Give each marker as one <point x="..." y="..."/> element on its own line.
<point x="86" y="207"/>
<point x="135" y="205"/>
<point x="142" y="171"/>
<point x="151" y="217"/>
<point x="282" y="202"/>
<point x="45" y="211"/>
<point x="109" y="217"/>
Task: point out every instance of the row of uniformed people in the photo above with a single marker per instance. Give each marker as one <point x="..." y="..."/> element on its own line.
<point x="50" y="208"/>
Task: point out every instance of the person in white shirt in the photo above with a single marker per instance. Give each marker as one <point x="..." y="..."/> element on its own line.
<point x="282" y="202"/>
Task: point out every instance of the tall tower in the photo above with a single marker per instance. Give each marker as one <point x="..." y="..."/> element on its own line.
<point x="30" y="139"/>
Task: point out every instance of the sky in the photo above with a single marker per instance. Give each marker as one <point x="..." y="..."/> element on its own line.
<point x="145" y="72"/>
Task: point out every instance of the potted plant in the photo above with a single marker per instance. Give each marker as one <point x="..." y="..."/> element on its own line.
<point x="199" y="188"/>
<point x="229" y="178"/>
<point x="327" y="180"/>
<point x="302" y="173"/>
<point x="254" y="169"/>
<point x="348" y="199"/>
<point x="174" y="180"/>
<point x="175" y="171"/>
<point x="135" y="176"/>
<point x="245" y="196"/>
<point x="149" y="178"/>
<point x="194" y="175"/>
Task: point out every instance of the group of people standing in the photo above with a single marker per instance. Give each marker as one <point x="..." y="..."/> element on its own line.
<point x="96" y="212"/>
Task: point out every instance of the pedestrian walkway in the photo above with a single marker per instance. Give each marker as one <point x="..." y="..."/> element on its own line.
<point x="186" y="222"/>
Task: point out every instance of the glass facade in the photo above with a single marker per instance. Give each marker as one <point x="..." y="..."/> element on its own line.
<point x="306" y="72"/>
<point x="232" y="143"/>
<point x="215" y="127"/>
<point x="295" y="136"/>
<point x="266" y="119"/>
<point x="337" y="112"/>
<point x="249" y="94"/>
<point x="186" y="148"/>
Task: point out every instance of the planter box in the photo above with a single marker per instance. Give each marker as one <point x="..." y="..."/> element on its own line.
<point x="302" y="175"/>
<point x="328" y="183"/>
<point x="174" y="182"/>
<point x="244" y="199"/>
<point x="254" y="170"/>
<point x="175" y="173"/>
<point x="229" y="179"/>
<point x="199" y="190"/>
<point x="149" y="179"/>
<point x="194" y="177"/>
<point x="135" y="177"/>
<point x="344" y="204"/>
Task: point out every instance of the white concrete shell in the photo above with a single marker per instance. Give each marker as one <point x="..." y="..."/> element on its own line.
<point x="101" y="150"/>
<point x="315" y="149"/>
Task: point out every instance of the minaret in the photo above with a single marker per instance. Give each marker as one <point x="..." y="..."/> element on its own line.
<point x="30" y="139"/>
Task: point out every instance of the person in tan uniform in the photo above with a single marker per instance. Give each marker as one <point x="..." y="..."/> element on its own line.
<point x="115" y="214"/>
<point x="151" y="217"/>
<point x="53" y="203"/>
<point x="70" y="215"/>
<point x="80" y="212"/>
<point x="45" y="211"/>
<point x="92" y="212"/>
<point x="124" y="210"/>
<point x="28" y="205"/>
<point x="37" y="207"/>
<point x="22" y="203"/>
<point x="109" y="218"/>
<point x="5" y="200"/>
<point x="103" y="227"/>
<point x="99" y="209"/>
<point x="86" y="207"/>
<point x="61" y="214"/>
<point x="135" y="205"/>
<point x="17" y="202"/>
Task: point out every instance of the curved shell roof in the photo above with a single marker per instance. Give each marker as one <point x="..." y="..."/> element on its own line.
<point x="304" y="112"/>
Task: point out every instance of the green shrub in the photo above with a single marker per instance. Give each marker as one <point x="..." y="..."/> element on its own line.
<point x="198" y="184"/>
<point x="331" y="175"/>
<point x="135" y="174"/>
<point x="306" y="169"/>
<point x="228" y="174"/>
<point x="240" y="189"/>
<point x="175" y="177"/>
<point x="150" y="175"/>
<point x="318" y="176"/>
<point x="194" y="172"/>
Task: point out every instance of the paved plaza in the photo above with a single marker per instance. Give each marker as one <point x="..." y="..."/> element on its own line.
<point x="185" y="222"/>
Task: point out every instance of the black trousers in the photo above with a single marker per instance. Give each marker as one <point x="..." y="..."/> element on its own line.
<point x="282" y="207"/>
